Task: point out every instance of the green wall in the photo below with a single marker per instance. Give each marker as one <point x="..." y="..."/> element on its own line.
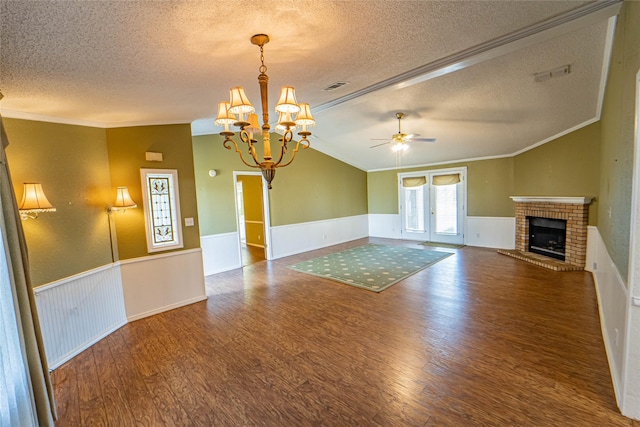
<point x="567" y="166"/>
<point x="317" y="187"/>
<point x="489" y="185"/>
<point x="216" y="196"/>
<point x="314" y="187"/>
<point x="79" y="168"/>
<point x="72" y="165"/>
<point x="127" y="147"/>
<point x="617" y="144"/>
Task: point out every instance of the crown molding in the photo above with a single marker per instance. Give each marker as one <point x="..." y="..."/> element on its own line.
<point x="11" y="114"/>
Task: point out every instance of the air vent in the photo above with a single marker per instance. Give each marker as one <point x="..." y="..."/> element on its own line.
<point x="335" y="86"/>
<point x="556" y="72"/>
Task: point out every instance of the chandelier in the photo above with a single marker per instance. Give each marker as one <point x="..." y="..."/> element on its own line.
<point x="241" y="113"/>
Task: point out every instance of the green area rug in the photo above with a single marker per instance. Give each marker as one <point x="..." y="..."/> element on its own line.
<point x="442" y="245"/>
<point x="372" y="267"/>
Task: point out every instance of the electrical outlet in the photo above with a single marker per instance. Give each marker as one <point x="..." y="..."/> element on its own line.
<point x="259" y="237"/>
<point x="595" y="265"/>
<point x="477" y="234"/>
<point x="616" y="336"/>
<point x="188" y="222"/>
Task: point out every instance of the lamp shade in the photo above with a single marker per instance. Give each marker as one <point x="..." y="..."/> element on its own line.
<point x="284" y="121"/>
<point x="34" y="200"/>
<point x="287" y="102"/>
<point x="304" y="117"/>
<point x="239" y="102"/>
<point x="224" y="116"/>
<point x="123" y="200"/>
<point x="254" y="126"/>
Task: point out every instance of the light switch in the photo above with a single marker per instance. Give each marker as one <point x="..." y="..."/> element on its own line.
<point x="188" y="222"/>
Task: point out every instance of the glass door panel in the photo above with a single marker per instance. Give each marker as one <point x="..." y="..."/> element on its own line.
<point x="446" y="205"/>
<point x="414" y="209"/>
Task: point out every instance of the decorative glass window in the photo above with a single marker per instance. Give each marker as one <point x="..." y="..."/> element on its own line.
<point x="161" y="209"/>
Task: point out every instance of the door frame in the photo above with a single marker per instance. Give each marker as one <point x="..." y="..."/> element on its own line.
<point x="462" y="170"/>
<point x="266" y="217"/>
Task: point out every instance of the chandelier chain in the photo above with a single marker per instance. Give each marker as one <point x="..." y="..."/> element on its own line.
<point x="263" y="68"/>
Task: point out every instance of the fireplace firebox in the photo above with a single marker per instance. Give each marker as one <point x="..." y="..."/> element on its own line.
<point x="547" y="237"/>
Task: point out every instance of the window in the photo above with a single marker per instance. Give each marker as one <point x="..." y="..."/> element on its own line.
<point x="161" y="209"/>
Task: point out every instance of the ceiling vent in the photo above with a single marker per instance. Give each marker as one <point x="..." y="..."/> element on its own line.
<point x="335" y="86"/>
<point x="556" y="72"/>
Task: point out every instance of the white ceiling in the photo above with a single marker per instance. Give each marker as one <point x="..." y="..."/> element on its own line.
<point x="462" y="71"/>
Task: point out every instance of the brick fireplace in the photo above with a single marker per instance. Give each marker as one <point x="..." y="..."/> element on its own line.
<point x="573" y="210"/>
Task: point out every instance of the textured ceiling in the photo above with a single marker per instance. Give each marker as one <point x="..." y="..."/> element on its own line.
<point x="114" y="63"/>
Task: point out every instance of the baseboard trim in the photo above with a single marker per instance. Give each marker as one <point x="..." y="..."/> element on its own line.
<point x="85" y="346"/>
<point x="166" y="308"/>
<point x="284" y="255"/>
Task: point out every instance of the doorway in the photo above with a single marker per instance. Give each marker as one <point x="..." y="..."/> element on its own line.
<point x="432" y="205"/>
<point x="252" y="216"/>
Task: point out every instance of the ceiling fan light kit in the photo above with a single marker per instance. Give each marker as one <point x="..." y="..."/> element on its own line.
<point x="240" y="112"/>
<point x="399" y="146"/>
<point x="400" y="139"/>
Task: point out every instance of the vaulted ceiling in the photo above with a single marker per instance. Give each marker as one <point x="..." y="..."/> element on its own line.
<point x="462" y="71"/>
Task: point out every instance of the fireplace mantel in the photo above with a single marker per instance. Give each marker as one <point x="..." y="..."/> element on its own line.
<point x="552" y="199"/>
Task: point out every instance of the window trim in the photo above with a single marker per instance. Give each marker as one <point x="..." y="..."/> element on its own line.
<point x="177" y="242"/>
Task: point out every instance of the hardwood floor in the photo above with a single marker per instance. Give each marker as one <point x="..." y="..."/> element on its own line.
<point x="477" y="339"/>
<point x="251" y="255"/>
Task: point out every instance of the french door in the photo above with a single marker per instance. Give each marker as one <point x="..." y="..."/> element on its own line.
<point x="432" y="205"/>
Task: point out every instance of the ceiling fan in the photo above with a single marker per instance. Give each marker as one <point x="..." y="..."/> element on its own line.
<point x="400" y="140"/>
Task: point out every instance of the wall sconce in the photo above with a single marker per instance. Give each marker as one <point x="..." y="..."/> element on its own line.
<point x="123" y="201"/>
<point x="34" y="201"/>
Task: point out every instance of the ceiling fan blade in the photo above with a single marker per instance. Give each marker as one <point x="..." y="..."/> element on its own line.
<point x="422" y="140"/>
<point x="378" y="145"/>
<point x="379" y="139"/>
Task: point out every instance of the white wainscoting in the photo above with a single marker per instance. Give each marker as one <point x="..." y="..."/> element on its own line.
<point x="79" y="311"/>
<point x="385" y="225"/>
<point x="220" y="252"/>
<point x="159" y="283"/>
<point x="613" y="300"/>
<point x="293" y="239"/>
<point x="491" y="232"/>
<point x="484" y="231"/>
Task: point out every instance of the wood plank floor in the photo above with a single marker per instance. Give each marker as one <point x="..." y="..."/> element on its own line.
<point x="251" y="255"/>
<point x="477" y="339"/>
